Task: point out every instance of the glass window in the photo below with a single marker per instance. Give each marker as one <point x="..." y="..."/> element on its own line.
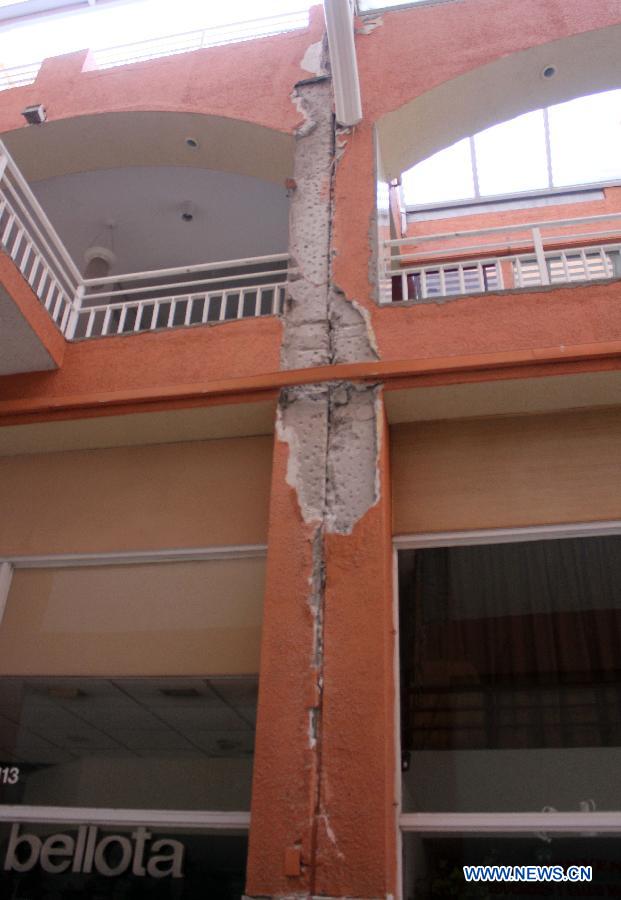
<point x="511" y="676"/>
<point x="446" y="175"/>
<point x="131" y="686"/>
<point x="511" y="157"/>
<point x="157" y="743"/>
<point x="88" y="862"/>
<point x="433" y="865"/>
<point x="585" y="137"/>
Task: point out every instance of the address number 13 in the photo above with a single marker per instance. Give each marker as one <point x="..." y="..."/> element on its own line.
<point x="9" y="775"/>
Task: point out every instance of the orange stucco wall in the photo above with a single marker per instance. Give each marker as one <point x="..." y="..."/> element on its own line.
<point x="253" y="81"/>
<point x="323" y="810"/>
<point x="31" y="309"/>
<point x="409" y="53"/>
<point x="132" y="363"/>
<point x="250" y="81"/>
<point x="609" y="204"/>
<point x="311" y="800"/>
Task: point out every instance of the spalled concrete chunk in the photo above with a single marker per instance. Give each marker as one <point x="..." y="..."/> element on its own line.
<point x="352" y="460"/>
<point x="302" y="421"/>
<point x="306" y="337"/>
<point x="352" y="338"/>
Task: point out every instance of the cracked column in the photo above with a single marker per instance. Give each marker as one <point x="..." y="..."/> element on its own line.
<point x="323" y="815"/>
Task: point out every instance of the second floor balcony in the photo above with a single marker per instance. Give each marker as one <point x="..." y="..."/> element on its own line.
<point x="93" y="302"/>
<point x="532" y="254"/>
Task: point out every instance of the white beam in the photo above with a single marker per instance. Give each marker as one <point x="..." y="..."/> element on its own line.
<point x="340" y="26"/>
<point x="6" y="574"/>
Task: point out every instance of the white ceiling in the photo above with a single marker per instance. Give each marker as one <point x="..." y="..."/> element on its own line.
<point x="235" y="216"/>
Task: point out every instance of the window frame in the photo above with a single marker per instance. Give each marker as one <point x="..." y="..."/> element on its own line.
<point x="514" y="823"/>
<point x="237" y="820"/>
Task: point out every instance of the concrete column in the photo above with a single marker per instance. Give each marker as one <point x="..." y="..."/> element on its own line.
<point x="323" y="818"/>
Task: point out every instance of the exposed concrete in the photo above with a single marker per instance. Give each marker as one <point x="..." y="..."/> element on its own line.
<point x="333" y="429"/>
<point x="302" y="422"/>
<point x="351" y="334"/>
<point x="353" y="450"/>
<point x="306" y="341"/>
<point x="314" y="59"/>
<point x="368" y="24"/>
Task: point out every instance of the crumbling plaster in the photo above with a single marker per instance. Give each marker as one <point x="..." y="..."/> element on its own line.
<point x="333" y="431"/>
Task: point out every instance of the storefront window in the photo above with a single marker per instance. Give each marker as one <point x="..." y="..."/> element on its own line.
<point x="128" y="701"/>
<point x="511" y="676"/>
<point x="434" y="866"/>
<point x="88" y="862"/>
<point x="183" y="743"/>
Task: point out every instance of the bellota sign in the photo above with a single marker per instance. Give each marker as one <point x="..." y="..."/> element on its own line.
<point x="87" y="853"/>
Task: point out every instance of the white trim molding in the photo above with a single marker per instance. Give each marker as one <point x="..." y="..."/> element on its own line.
<point x="513" y="823"/>
<point x="77" y="815"/>
<point x="6" y="576"/>
<point x="135" y="557"/>
<point x="505" y="535"/>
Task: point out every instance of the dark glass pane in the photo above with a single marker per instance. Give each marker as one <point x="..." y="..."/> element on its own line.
<point x="58" y="862"/>
<point x="127" y="743"/>
<point x="432" y="866"/>
<point x="511" y="675"/>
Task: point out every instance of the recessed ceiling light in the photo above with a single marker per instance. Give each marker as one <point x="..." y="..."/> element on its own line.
<point x="192" y="143"/>
<point x="548" y="72"/>
<point x="180" y="692"/>
<point x="187" y="211"/>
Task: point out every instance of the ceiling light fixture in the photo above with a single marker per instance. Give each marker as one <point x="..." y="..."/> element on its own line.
<point x="187" y="211"/>
<point x="192" y="143"/>
<point x="35" y="114"/>
<point x="548" y="72"/>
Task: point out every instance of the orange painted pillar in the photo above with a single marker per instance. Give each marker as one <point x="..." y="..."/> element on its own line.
<point x="356" y="849"/>
<point x="323" y="808"/>
<point x="284" y="788"/>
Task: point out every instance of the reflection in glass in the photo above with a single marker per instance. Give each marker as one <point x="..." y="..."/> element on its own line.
<point x="433" y="865"/>
<point x="176" y="743"/>
<point x="511" y="676"/>
<point x="121" y="863"/>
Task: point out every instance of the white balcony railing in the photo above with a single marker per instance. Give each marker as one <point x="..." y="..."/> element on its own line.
<point x="522" y="256"/>
<point x="207" y="293"/>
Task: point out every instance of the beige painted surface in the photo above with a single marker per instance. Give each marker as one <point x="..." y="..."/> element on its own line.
<point x="166" y="427"/>
<point x="191" y="618"/>
<point x="518" y="396"/>
<point x="150" y="138"/>
<point x="195" y="494"/>
<point x="506" y="472"/>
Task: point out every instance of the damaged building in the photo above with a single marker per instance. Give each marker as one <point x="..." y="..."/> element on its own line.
<point x="310" y="453"/>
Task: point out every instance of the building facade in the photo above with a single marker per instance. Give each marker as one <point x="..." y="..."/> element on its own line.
<point x="310" y="543"/>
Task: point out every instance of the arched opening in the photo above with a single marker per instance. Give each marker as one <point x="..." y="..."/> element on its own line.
<point x="168" y="218"/>
<point x="512" y="197"/>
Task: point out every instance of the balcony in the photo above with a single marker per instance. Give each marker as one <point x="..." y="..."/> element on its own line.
<point x="82" y="308"/>
<point x="510" y="257"/>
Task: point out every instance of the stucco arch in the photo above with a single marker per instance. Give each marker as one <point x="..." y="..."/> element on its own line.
<point x="585" y="63"/>
<point x="150" y="138"/>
